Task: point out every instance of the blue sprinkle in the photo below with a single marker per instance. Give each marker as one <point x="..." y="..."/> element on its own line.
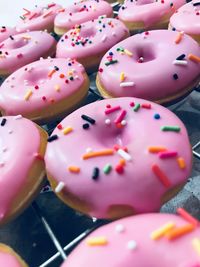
<point x="157" y="116"/>
<point x="110" y="53"/>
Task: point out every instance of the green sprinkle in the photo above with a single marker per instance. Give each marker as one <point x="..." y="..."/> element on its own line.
<point x="170" y="128"/>
<point x="111" y="62"/>
<point x="136" y="107"/>
<point x="107" y="169"/>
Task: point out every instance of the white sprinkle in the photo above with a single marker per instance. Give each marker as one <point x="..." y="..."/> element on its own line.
<point x="49" y="57"/>
<point x="76" y="77"/>
<point x="104" y="38"/>
<point x="88" y="150"/>
<point x="127" y="84"/>
<point x="119" y="228"/>
<point x="124" y="154"/>
<point x="141" y="59"/>
<point x="59" y="187"/>
<point x="18" y="117"/>
<point x="132" y="245"/>
<point x="124" y="122"/>
<point x="107" y="122"/>
<point x="180" y="62"/>
<point x="41" y="58"/>
<point x="45" y="30"/>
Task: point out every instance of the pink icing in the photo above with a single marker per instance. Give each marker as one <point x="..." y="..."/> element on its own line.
<point x="5" y="32"/>
<point x="137" y="186"/>
<point x="187" y="19"/>
<point x="156" y="77"/>
<point x="40" y="18"/>
<point x="149" y="12"/>
<point x="94" y="37"/>
<point x="81" y="12"/>
<point x="24" y="48"/>
<point x="145" y="251"/>
<point x="8" y="260"/>
<point x="35" y="77"/>
<point x="19" y="143"/>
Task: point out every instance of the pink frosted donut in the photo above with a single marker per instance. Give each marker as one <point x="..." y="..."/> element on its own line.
<point x="5" y="32"/>
<point x="187" y="19"/>
<point x="134" y="156"/>
<point x="24" y="48"/>
<point x="148" y="14"/>
<point x="9" y="258"/>
<point x="89" y="41"/>
<point x="81" y="12"/>
<point x="22" y="146"/>
<point x="158" y="65"/>
<point x="140" y="241"/>
<point x="39" y="19"/>
<point x="44" y="90"/>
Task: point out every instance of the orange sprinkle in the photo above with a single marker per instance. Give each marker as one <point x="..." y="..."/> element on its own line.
<point x="106" y="152"/>
<point x="122" y="162"/>
<point x="180" y="231"/>
<point x="57" y="88"/>
<point x="163" y="230"/>
<point x="179" y="38"/>
<point x="183" y="213"/>
<point x="51" y="73"/>
<point x="161" y="175"/>
<point x="62" y="75"/>
<point x="74" y="169"/>
<point x="97" y="241"/>
<point x="156" y="149"/>
<point x="181" y="163"/>
<point x="194" y="58"/>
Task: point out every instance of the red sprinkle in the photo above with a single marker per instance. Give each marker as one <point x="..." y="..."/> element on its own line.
<point x="146" y="105"/>
<point x="183" y="213"/>
<point x="161" y="175"/>
<point x="59" y="126"/>
<point x="100" y="70"/>
<point x="119" y="168"/>
<point x="110" y="110"/>
<point x="132" y="104"/>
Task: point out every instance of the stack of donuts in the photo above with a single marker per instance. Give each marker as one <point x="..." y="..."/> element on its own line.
<point x="135" y="154"/>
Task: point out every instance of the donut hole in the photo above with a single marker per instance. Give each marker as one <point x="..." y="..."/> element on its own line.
<point x="17" y="43"/>
<point x="87" y="31"/>
<point x="145" y="53"/>
<point x="36" y="76"/>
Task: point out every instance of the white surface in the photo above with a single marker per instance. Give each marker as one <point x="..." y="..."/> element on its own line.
<point x="10" y="10"/>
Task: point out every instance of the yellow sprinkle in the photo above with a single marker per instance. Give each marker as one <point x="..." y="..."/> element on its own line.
<point x="128" y="53"/>
<point x="196" y="245"/>
<point x="74" y="169"/>
<point x="122" y="77"/>
<point x="28" y="95"/>
<point x="57" y="88"/>
<point x="181" y="162"/>
<point x="97" y="241"/>
<point x="162" y="230"/>
<point x="67" y="130"/>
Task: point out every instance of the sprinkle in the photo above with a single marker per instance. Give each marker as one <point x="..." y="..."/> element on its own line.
<point x="38" y="156"/>
<point x="106" y="152"/>
<point x="107" y="121"/>
<point x="97" y="241"/>
<point x="124" y="154"/>
<point x="59" y="187"/>
<point x="95" y="173"/>
<point x="51" y="73"/>
<point x="74" y="169"/>
<point x="67" y="130"/>
<point x="156" y="149"/>
<point x="107" y="168"/>
<point x="86" y="126"/>
<point x="28" y="95"/>
<point x="110" y="110"/>
<point x="187" y="216"/>
<point x="179" y="231"/>
<point x="47" y="14"/>
<point x="136" y="107"/>
<point x="128" y="53"/>
<point x="170" y="128"/>
<point x="119" y="168"/>
<point x="127" y="84"/>
<point x="111" y="62"/>
<point x="52" y="138"/>
<point x="194" y="58"/>
<point x="161" y="175"/>
<point x="156" y="116"/>
<point x="146" y="105"/>
<point x="181" y="57"/>
<point x="123" y="122"/>
<point x="119" y="228"/>
<point x="32" y="16"/>
<point x="57" y="88"/>
<point x="120" y="117"/>
<point x="175" y="76"/>
<point x="196" y="245"/>
<point x="3" y="122"/>
<point x="132" y="245"/>
<point x="180" y="62"/>
<point x="88" y="119"/>
<point x="179" y="37"/>
<point x="18" y="117"/>
<point x="196" y="4"/>
<point x="167" y="154"/>
<point x="11" y="37"/>
<point x="26" y="37"/>
<point x="181" y="163"/>
<point x="160" y="232"/>
<point x="122" y="76"/>
<point x="88" y="150"/>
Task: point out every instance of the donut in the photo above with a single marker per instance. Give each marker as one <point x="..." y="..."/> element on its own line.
<point x="134" y="157"/>
<point x="148" y="14"/>
<point x="89" y="41"/>
<point x="44" y="90"/>
<point x="39" y="19"/>
<point x="22" y="49"/>
<point x="159" y="65"/>
<point x="187" y="19"/>
<point x="143" y="240"/>
<point x="79" y="13"/>
<point x="22" y="147"/>
<point x="5" y="32"/>
<point x="9" y="258"/>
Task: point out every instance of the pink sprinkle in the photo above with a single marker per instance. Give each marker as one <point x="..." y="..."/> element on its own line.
<point x="110" y="110"/>
<point x="19" y="55"/>
<point x="132" y="104"/>
<point x="120" y="117"/>
<point x="167" y="154"/>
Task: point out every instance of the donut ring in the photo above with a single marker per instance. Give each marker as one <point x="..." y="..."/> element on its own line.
<point x="9" y="258"/>
<point x="147" y="240"/>
<point x="133" y="148"/>
<point x="21" y="49"/>
<point x="80" y="12"/>
<point x="133" y="67"/>
<point x="5" y="32"/>
<point x="89" y="41"/>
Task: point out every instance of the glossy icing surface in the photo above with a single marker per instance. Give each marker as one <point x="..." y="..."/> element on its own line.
<point x="187" y="18"/>
<point x="149" y="71"/>
<point x="134" y="125"/>
<point x="40" y="84"/>
<point x="91" y="38"/>
<point x="19" y="144"/>
<point x="148" y="11"/>
<point x="8" y="260"/>
<point x="40" y="18"/>
<point x="81" y="12"/>
<point x="5" y="32"/>
<point x="128" y="241"/>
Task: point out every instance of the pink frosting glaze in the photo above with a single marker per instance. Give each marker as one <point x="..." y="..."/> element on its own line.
<point x="24" y="48"/>
<point x="40" y="18"/>
<point x="134" y="184"/>
<point x="81" y="12"/>
<point x="187" y="19"/>
<point x="19" y="143"/>
<point x="46" y="84"/>
<point x="93" y="38"/>
<point x="151" y="71"/>
<point x="149" y="12"/>
<point x="5" y="32"/>
<point x="129" y="242"/>
<point x="8" y="260"/>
